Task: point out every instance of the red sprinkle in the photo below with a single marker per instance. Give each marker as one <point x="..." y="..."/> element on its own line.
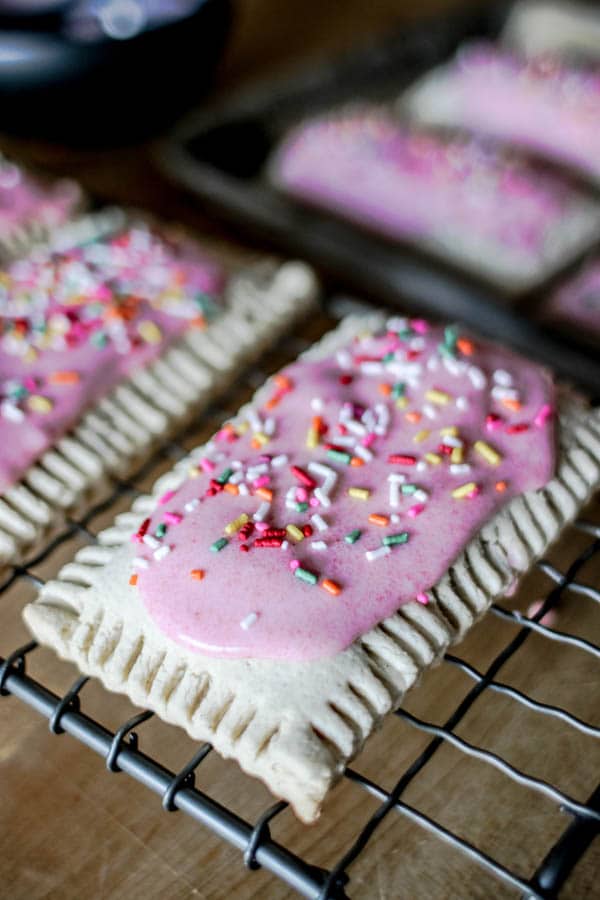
<point x="307" y="530"/>
<point x="346" y="379"/>
<point x="303" y="477"/>
<point x="518" y="428"/>
<point x="244" y="548"/>
<point x="267" y="542"/>
<point x="400" y="459"/>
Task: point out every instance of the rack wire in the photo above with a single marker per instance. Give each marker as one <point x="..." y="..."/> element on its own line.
<point x="121" y="751"/>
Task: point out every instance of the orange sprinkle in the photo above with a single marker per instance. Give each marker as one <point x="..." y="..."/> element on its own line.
<point x="376" y="519"/>
<point x="197" y="574"/>
<point x="64" y="377"/>
<point x="514" y="405"/>
<point x="264" y="493"/>
<point x="413" y="417"/>
<point x="385" y="389"/>
<point x="332" y="587"/>
<point x="357" y="461"/>
<point x="273" y="401"/>
<point x="319" y="425"/>
<point x="501" y="486"/>
<point x="283" y="382"/>
<point x="198" y="322"/>
<point x="133" y="579"/>
<point x="256" y="445"/>
<point x="465" y="346"/>
<point x="231" y="489"/>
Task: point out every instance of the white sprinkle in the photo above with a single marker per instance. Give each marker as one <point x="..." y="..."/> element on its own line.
<point x="139" y="562"/>
<point x="372" y="555"/>
<point x="319" y="545"/>
<point x="151" y="541"/>
<point x="320" y="469"/>
<point x="236" y="477"/>
<point x="501" y="376"/>
<point x="395" y="518"/>
<point x="448" y="440"/>
<point x="162" y="552"/>
<point x="371" y="368"/>
<point x="369" y="419"/>
<point x="345" y="440"/>
<point x="421" y="496"/>
<point x="344" y="359"/>
<point x="322" y="497"/>
<point x="236" y="464"/>
<point x="462" y="469"/>
<point x="478" y="379"/>
<point x="462" y="403"/>
<point x="243" y="489"/>
<point x="290" y="504"/>
<point x="433" y="363"/>
<point x="316" y="404"/>
<point x="262" y="512"/>
<point x="269" y="427"/>
<point x="291" y="493"/>
<point x="11" y="412"/>
<point x="254" y="420"/>
<point x="363" y="453"/>
<point x="319" y="522"/>
<point x="504" y="393"/>
<point x="429" y="411"/>
<point x="254" y="471"/>
<point x="329" y="483"/>
<point x="280" y="460"/>
<point x="191" y="505"/>
<point x="396" y="323"/>
<point x="249" y="621"/>
<point x="355" y="427"/>
<point x="421" y="466"/>
<point x="394" y="493"/>
<point x="396" y="476"/>
<point x="417" y="343"/>
<point x="284" y="545"/>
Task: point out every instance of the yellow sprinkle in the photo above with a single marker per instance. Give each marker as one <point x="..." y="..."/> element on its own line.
<point x="242" y="428"/>
<point x="457" y="455"/>
<point x="489" y="454"/>
<point x="31" y="355"/>
<point x="464" y="490"/>
<point x="449" y="431"/>
<point x="401" y="403"/>
<point x="294" y="532"/>
<point x="39" y="404"/>
<point x="359" y="493"/>
<point x="433" y="458"/>
<point x="421" y="436"/>
<point x="235" y="525"/>
<point x="193" y="472"/>
<point x="260" y="438"/>
<point x="439" y="397"/>
<point x="150" y="332"/>
<point x="312" y="438"/>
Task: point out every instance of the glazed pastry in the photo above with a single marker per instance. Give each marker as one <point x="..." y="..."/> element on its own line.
<point x="287" y="583"/>
<point x="486" y="210"/>
<point x="542" y="104"/>
<point x="111" y="336"/>
<point x="576" y="304"/>
<point x="30" y="209"/>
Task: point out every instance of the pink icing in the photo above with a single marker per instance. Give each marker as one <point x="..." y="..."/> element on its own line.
<point x="542" y="103"/>
<point x="410" y="184"/>
<point x="75" y="323"/>
<point x="246" y="600"/>
<point x="24" y="201"/>
<point x="577" y="302"/>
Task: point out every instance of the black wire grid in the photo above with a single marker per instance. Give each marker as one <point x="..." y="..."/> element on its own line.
<point x="259" y="849"/>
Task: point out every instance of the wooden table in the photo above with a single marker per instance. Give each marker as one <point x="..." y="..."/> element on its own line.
<point x="71" y="831"/>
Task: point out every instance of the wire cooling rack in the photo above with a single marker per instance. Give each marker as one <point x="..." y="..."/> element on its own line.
<point x="120" y="748"/>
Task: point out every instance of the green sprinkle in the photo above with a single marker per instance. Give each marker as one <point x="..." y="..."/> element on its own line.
<point x="398" y="390"/>
<point x="225" y="476"/>
<point x="218" y="545"/>
<point x="339" y="456"/>
<point x="388" y="357"/>
<point x="99" y="339"/>
<point x="444" y="350"/>
<point x="405" y="333"/>
<point x="305" y="575"/>
<point x="391" y="539"/>
<point x="450" y="336"/>
<point x="353" y="536"/>
<point x="408" y="488"/>
<point x="161" y="530"/>
<point x="301" y="507"/>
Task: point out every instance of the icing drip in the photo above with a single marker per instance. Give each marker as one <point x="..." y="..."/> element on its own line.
<point x="350" y="492"/>
<point x="74" y="323"/>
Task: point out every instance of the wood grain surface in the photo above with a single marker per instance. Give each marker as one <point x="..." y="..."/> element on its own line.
<point x="71" y="831"/>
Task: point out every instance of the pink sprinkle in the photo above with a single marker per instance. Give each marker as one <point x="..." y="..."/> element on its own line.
<point x="207" y="465"/>
<point x="419" y="325"/>
<point x="173" y="518"/>
<point x="313" y="502"/>
<point x="493" y="422"/>
<point x="136" y="538"/>
<point x="368" y="439"/>
<point x="422" y="598"/>
<point x="548" y="619"/>
<point x="301" y="495"/>
<point x="30" y="383"/>
<point x="261" y="526"/>
<point x="543" y="415"/>
<point x="261" y="481"/>
<point x="476" y="490"/>
<point x="415" y="510"/>
<point x="294" y="564"/>
<point x="168" y="495"/>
